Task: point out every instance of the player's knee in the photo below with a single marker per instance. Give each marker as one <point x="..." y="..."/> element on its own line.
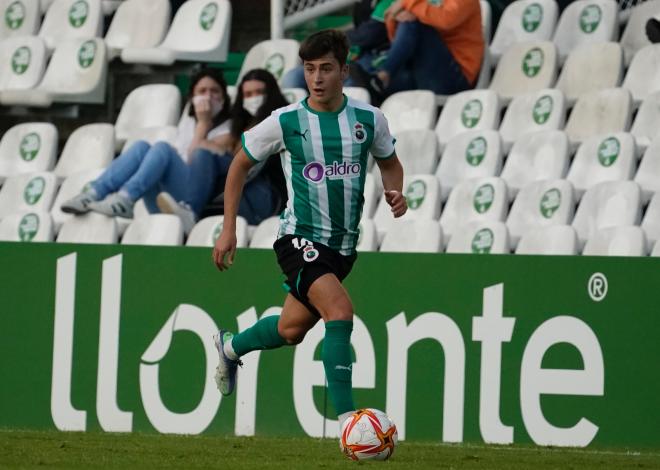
<point x="292" y="335"/>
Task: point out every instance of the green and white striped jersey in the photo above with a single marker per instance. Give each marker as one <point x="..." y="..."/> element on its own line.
<point x="324" y="158"/>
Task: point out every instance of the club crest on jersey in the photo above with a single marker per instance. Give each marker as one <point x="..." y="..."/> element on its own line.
<point x="316" y="172"/>
<point x="359" y="133"/>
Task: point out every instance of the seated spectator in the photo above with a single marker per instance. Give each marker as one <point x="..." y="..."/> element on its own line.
<point x="264" y="194"/>
<point x="144" y="170"/>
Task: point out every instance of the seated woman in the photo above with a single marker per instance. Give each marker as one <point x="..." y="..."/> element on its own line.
<point x="144" y="170"/>
<point x="264" y="194"/>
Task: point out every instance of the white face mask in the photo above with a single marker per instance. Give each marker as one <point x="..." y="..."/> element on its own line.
<point x="216" y="105"/>
<point x="253" y="103"/>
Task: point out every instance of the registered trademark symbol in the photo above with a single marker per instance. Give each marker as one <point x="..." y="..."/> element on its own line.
<point x="597" y="287"/>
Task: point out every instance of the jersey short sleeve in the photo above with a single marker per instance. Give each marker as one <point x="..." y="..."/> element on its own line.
<point x="264" y="139"/>
<point x="383" y="143"/>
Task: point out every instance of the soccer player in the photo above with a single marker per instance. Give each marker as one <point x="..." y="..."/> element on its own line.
<point x="324" y="142"/>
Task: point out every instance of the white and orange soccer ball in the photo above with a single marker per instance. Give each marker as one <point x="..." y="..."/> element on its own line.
<point x="368" y="434"/>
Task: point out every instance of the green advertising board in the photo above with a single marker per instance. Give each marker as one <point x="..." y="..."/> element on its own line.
<point x="459" y="348"/>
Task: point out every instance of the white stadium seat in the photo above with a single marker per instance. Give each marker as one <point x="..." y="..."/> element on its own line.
<point x="477" y="199"/>
<point x="199" y="33"/>
<point x="44" y="4"/>
<point x="470" y="154"/>
<point x="656" y="250"/>
<point x="616" y="241"/>
<point x="29" y="192"/>
<point x="651" y="220"/>
<point x="525" y="68"/>
<point x="590" y="67"/>
<point x="71" y="19"/>
<point x="89" y="228"/>
<point x="88" y="147"/>
<point x="533" y="112"/>
<point x="147" y="106"/>
<point x="266" y="233"/>
<point x="609" y="204"/>
<point x="643" y="76"/>
<point x="647" y="121"/>
<point x="206" y="232"/>
<point x="486" y="19"/>
<point x="278" y="56"/>
<point x="417" y="150"/>
<point x="468" y="111"/>
<point x="26" y="227"/>
<point x="155" y="230"/>
<point x="71" y="187"/>
<point x="524" y="21"/>
<point x="648" y="171"/>
<point x="139" y="24"/>
<point x="151" y="135"/>
<point x="413" y="236"/>
<point x="634" y="36"/>
<point x="550" y="240"/>
<point x="586" y="21"/>
<point x="28" y="148"/>
<point x="540" y="204"/>
<point x="294" y="95"/>
<point x="406" y="110"/>
<point x="20" y="18"/>
<point x="480" y="237"/>
<point x="599" y="112"/>
<point x="371" y="195"/>
<point x="357" y="93"/>
<point x="536" y="156"/>
<point x="22" y="63"/>
<point x="368" y="239"/>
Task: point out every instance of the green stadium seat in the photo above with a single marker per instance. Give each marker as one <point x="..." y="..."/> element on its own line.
<point x="21" y="18"/>
<point x="28" y="148"/>
<point x="28" y="192"/>
<point x="22" y="63"/>
<point x="26" y="227"/>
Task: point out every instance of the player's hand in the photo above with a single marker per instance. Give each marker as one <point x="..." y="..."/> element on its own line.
<point x="225" y="247"/>
<point x="397" y="202"/>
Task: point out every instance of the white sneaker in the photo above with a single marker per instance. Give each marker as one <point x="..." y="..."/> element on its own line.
<point x="225" y="373"/>
<point x="79" y="204"/>
<point x="114" y="205"/>
<point x="168" y="205"/>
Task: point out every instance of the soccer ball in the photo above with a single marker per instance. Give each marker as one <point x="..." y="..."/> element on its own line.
<point x="368" y="434"/>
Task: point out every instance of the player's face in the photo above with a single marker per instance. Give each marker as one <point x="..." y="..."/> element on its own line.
<point x="325" y="79"/>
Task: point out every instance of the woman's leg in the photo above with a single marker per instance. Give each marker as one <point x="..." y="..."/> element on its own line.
<point x="259" y="201"/>
<point x="120" y="170"/>
<point x="207" y="170"/>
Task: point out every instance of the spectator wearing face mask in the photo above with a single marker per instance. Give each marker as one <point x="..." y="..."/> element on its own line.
<point x="264" y="194"/>
<point x="144" y="170"/>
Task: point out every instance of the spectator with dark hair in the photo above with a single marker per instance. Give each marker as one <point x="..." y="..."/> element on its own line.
<point x="265" y="192"/>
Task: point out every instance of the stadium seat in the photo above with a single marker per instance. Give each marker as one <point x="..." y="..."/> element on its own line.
<point x="651" y="220"/>
<point x="89" y="228"/>
<point x="130" y="27"/>
<point x="413" y="236"/>
<point x="536" y="156"/>
<point x="22" y="63"/>
<point x="647" y="121"/>
<point x="110" y="6"/>
<point x="199" y="33"/>
<point x="418" y="151"/>
<point x="422" y="193"/>
<point x="152" y="135"/>
<point x="471" y="154"/>
<point x="656" y="250"/>
<point x="371" y="195"/>
<point x="368" y="239"/>
<point x="28" y="148"/>
<point x="71" y="19"/>
<point x="608" y="157"/>
<point x="476" y="199"/>
<point x="480" y="237"/>
<point x="599" y="112"/>
<point x="608" y="204"/>
<point x="154" y="230"/>
<point x="406" y="110"/>
<point x="538" y="111"/>
<point x="647" y="175"/>
<point x="29" y="192"/>
<point x="468" y="111"/>
<point x="550" y="240"/>
<point x="206" y="232"/>
<point x="525" y="68"/>
<point x="148" y="106"/>
<point x="524" y="21"/>
<point x="540" y="204"/>
<point x="616" y="241"/>
<point x="76" y="73"/>
<point x="590" y="67"/>
<point x="21" y="18"/>
<point x="139" y="211"/>
<point x="26" y="227"/>
<point x="88" y="147"/>
<point x="586" y="21"/>
<point x="278" y="56"/>
<point x="643" y="76"/>
<point x="486" y="19"/>
<point x="358" y="93"/>
<point x="266" y="233"/>
<point x="294" y="95"/>
<point x="44" y="4"/>
<point x="70" y="187"/>
<point x="634" y="36"/>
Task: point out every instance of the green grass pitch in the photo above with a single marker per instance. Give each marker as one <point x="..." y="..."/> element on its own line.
<point x="51" y="449"/>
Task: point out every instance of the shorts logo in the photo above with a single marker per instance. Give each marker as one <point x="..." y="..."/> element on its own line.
<point x="316" y="172"/>
<point x="359" y="133"/>
<point x="309" y="252"/>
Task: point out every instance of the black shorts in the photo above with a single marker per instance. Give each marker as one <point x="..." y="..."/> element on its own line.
<point x="303" y="262"/>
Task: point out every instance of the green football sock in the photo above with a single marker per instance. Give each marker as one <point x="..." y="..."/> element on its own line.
<point x="336" y="355"/>
<point x="262" y="335"/>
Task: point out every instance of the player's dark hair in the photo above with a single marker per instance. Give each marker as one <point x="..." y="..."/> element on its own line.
<point x="323" y="42"/>
<point x="217" y="76"/>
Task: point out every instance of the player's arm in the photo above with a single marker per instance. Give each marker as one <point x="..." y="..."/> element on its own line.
<point x="225" y="246"/>
<point x="392" y="174"/>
